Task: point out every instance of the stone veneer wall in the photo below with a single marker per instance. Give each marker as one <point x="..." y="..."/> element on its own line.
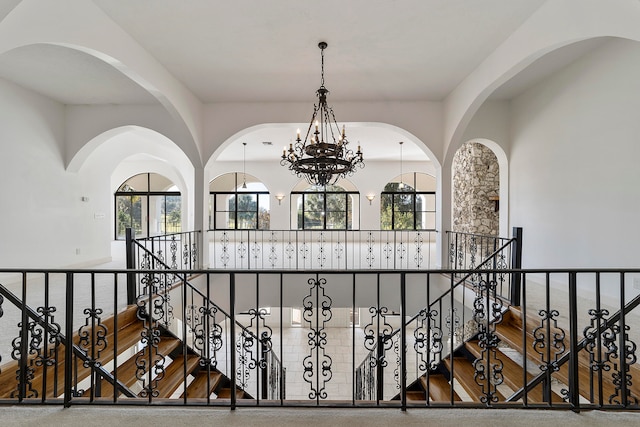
<point x="476" y="178"/>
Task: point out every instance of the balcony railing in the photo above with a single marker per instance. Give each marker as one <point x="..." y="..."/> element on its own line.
<point x="322" y="249"/>
<point x="70" y="336"/>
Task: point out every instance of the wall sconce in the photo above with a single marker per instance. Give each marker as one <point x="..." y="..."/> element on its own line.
<point x="370" y="197"/>
<point x="279" y="197"/>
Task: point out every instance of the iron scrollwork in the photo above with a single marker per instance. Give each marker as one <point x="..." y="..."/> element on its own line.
<point x="207" y="334"/>
<point x="622" y="379"/>
<point x="43" y="356"/>
<point x="378" y="332"/>
<point x="427" y="340"/>
<point x="248" y="356"/>
<point x="418" y="241"/>
<point x="599" y="334"/>
<point x="150" y="363"/>
<point x="173" y="249"/>
<point x="224" y="256"/>
<point x="370" y="256"/>
<point x="317" y="364"/>
<point x="273" y="255"/>
<point x="488" y="367"/>
<point x="93" y="337"/>
<point x="551" y="347"/>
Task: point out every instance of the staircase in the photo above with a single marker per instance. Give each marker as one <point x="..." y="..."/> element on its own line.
<point x="110" y="359"/>
<point x="490" y="369"/>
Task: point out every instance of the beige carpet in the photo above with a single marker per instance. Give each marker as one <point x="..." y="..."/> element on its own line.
<point x="162" y="416"/>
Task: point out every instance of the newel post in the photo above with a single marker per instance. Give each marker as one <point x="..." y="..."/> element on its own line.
<point x="516" y="264"/>
<point x="131" y="264"/>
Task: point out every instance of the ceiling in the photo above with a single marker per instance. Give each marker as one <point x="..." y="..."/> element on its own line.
<point x="258" y="51"/>
<point x="254" y="50"/>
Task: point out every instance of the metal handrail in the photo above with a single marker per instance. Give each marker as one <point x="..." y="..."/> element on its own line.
<point x="77" y="351"/>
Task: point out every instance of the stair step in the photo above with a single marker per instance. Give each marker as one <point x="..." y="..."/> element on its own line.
<point x="225" y="393"/>
<point x="126" y="373"/>
<point x="438" y="388"/>
<point x="174" y="374"/>
<point x="510" y="332"/>
<point x="199" y="388"/>
<point x="512" y="373"/>
<point x="415" y="396"/>
<point x="129" y="329"/>
<point x="464" y="372"/>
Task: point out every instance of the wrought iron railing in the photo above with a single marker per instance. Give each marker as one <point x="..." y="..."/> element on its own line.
<point x="576" y="328"/>
<point x="468" y="250"/>
<point x="322" y="249"/>
<point x="475" y="252"/>
<point x="429" y="322"/>
<point x="178" y="251"/>
<point x="207" y="326"/>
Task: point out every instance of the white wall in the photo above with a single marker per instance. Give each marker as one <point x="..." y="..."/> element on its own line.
<point x="574" y="162"/>
<point x="44" y="220"/>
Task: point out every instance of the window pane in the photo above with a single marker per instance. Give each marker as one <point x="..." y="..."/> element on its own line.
<point x="224" y="220"/>
<point x="313" y="220"/>
<point x="264" y="217"/>
<point x="403" y="220"/>
<point x="336" y="221"/>
<point x="386" y="202"/>
<point x="173" y="214"/>
<point x="313" y="211"/>
<point x="403" y="202"/>
<point x="156" y="215"/>
<point x="247" y="220"/>
<point x="124" y="214"/>
<point x="247" y="202"/>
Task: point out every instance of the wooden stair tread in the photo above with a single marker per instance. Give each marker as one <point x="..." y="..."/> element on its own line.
<point x="464" y="372"/>
<point x="510" y="331"/>
<point x="198" y="387"/>
<point x="415" y="396"/>
<point x="512" y="373"/>
<point x="174" y="374"/>
<point x="127" y="324"/>
<point x="126" y="372"/>
<point x="438" y="388"/>
<point x="225" y="393"/>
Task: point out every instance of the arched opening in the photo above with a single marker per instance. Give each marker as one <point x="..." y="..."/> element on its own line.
<point x="476" y="190"/>
<point x="148" y="203"/>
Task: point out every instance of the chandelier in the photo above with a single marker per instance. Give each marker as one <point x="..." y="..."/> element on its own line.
<point x="324" y="155"/>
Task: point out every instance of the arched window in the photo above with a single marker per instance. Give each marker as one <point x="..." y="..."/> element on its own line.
<point x="408" y="202"/>
<point x="238" y="201"/>
<point x="325" y="208"/>
<point x="148" y="203"/>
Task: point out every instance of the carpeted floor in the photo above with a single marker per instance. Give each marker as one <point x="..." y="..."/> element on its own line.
<point x="162" y="416"/>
